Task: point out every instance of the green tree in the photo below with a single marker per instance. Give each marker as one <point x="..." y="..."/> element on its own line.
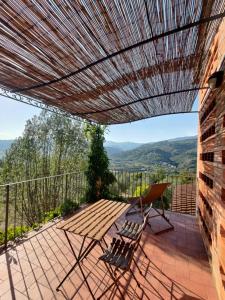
<point x="158" y="175"/>
<point x="98" y="174"/>
<point x="50" y="145"/>
<point x="185" y="176"/>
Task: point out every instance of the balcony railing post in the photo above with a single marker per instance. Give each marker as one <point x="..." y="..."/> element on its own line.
<point x="6" y="214"/>
<point x="66" y="188"/>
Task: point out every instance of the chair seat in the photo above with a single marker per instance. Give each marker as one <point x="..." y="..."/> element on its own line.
<point x="119" y="254"/>
<point x="130" y="230"/>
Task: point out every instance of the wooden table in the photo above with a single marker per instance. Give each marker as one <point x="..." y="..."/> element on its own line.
<point x="93" y="222"/>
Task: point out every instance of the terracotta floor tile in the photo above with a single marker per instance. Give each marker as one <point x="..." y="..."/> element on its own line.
<point x="202" y="278"/>
<point x="211" y="293"/>
<point x="12" y="295"/>
<point x="39" y="292"/>
<point x="4" y="288"/>
<point x="23" y="266"/>
<point x="178" y="267"/>
<point x="22" y="286"/>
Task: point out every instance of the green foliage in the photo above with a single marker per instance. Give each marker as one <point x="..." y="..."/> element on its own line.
<point x="68" y="207"/>
<point x="141" y="190"/>
<point x="167" y="198"/>
<point x="158" y="176"/>
<point x="50" y="145"/>
<point x="14" y="232"/>
<point x="64" y="209"/>
<point x="52" y="214"/>
<point x="185" y="177"/>
<point x="98" y="175"/>
<point x="4" y="146"/>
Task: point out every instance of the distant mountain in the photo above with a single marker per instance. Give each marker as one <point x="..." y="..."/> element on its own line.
<point x="113" y="150"/>
<point x="184" y="138"/>
<point x="122" y="146"/>
<point x="4" y="145"/>
<point x="179" y="153"/>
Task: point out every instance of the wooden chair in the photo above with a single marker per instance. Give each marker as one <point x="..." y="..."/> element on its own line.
<point x="131" y="230"/>
<point x="119" y="256"/>
<point x="139" y="205"/>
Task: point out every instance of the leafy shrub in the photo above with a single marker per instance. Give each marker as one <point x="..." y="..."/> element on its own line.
<point x="13" y="233"/>
<point x="167" y="197"/>
<point x="68" y="207"/>
<point x="52" y="214"/>
<point x="141" y="190"/>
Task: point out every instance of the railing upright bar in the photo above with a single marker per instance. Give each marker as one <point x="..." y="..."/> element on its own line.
<point x="129" y="183"/>
<point x="176" y="195"/>
<point x="6" y="215"/>
<point x="22" y="210"/>
<point x="187" y="208"/>
<point x="66" y="187"/>
<point x="15" y="210"/>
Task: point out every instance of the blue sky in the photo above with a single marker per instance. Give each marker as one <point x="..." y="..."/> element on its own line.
<point x="13" y="116"/>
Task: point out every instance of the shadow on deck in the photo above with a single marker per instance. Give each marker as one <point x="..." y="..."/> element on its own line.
<point x="178" y="267"/>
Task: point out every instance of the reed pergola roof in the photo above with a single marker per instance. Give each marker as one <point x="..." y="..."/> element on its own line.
<point x="108" y="61"/>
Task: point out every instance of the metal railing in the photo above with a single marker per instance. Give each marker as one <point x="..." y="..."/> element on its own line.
<point x="27" y="204"/>
<point x="179" y="197"/>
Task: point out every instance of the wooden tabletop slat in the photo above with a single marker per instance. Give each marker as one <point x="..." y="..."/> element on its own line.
<point x="101" y="218"/>
<point x="95" y="220"/>
<point x="86" y="218"/>
<point x="104" y="229"/>
<point x="81" y="214"/>
<point x="94" y="217"/>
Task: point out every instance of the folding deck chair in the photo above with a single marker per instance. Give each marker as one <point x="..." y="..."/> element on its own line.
<point x="119" y="256"/>
<point x="139" y="205"/>
<point x="131" y="230"/>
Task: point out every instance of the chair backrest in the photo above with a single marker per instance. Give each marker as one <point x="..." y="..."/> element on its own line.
<point x="143" y="225"/>
<point x="155" y="192"/>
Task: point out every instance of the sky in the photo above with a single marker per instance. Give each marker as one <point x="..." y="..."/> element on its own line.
<point x="13" y="117"/>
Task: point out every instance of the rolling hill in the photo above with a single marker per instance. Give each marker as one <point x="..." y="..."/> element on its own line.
<point x="114" y="148"/>
<point x="4" y="145"/>
<point x="179" y="153"/>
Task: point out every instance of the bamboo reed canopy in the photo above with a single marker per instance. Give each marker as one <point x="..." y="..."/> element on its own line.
<point x="108" y="61"/>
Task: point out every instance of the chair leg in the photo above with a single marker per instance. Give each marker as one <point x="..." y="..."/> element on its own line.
<point x="112" y="284"/>
<point x="109" y="268"/>
<point x="171" y="227"/>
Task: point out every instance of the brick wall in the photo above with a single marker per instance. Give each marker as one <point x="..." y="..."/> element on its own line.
<point x="211" y="165"/>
